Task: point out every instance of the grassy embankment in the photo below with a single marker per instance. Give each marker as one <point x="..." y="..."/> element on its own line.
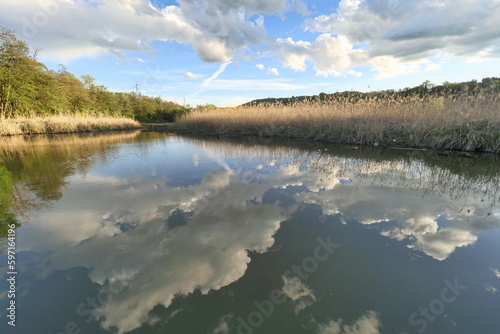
<point x="64" y="124"/>
<point x="468" y="122"/>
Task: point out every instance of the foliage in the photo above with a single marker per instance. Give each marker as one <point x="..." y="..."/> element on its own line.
<point x="28" y="88"/>
<point x="426" y="89"/>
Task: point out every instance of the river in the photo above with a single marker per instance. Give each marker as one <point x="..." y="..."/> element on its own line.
<point x="162" y="233"/>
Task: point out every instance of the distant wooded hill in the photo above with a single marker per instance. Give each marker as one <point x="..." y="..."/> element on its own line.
<point x="426" y="88"/>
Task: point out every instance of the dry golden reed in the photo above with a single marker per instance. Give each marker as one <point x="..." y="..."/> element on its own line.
<point x="64" y="124"/>
<point x="465" y="122"/>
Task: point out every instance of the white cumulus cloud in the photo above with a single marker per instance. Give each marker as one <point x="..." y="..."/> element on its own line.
<point x="392" y="37"/>
<point x="191" y="75"/>
<point x="71" y="29"/>
<point x="271" y="70"/>
<point x="274" y="70"/>
<point x="398" y="36"/>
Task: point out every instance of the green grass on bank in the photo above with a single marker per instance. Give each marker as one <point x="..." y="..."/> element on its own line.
<point x="64" y="124"/>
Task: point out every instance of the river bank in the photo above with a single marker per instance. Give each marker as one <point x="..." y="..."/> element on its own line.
<point x="459" y="123"/>
<point x="64" y="124"/>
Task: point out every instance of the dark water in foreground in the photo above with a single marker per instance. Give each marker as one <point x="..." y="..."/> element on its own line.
<point x="155" y="233"/>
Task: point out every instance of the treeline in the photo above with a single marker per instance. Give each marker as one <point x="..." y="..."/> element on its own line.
<point x="426" y="89"/>
<point x="29" y="88"/>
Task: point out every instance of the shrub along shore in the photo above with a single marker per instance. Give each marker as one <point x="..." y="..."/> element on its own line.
<point x="64" y="124"/>
<point x="465" y="121"/>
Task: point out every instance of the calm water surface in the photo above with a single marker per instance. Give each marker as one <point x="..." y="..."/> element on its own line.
<point x="156" y="233"/>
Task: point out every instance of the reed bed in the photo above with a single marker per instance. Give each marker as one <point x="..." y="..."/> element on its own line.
<point x="64" y="124"/>
<point x="468" y="122"/>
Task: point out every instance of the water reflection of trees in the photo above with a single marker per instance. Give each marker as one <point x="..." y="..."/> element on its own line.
<point x="7" y="215"/>
<point x="34" y="170"/>
<point x="454" y="175"/>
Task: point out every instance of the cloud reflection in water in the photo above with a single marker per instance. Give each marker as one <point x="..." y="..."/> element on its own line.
<point x="107" y="222"/>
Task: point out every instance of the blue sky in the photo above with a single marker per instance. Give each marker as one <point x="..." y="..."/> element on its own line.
<point x="227" y="52"/>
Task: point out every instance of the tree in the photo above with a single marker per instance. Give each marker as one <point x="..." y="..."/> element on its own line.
<point x="427" y="84"/>
<point x="76" y="97"/>
<point x="88" y="82"/>
<point x="27" y="87"/>
<point x="25" y="83"/>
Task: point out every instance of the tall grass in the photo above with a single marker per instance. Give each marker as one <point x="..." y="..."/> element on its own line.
<point x="469" y="121"/>
<point x="64" y="124"/>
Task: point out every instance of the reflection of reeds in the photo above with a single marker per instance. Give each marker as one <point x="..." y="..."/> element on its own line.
<point x="465" y="122"/>
<point x="39" y="165"/>
<point x="64" y="124"/>
<point x="41" y="143"/>
<point x="459" y="178"/>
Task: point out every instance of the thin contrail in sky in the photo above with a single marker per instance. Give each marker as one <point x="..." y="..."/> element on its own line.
<point x="206" y="83"/>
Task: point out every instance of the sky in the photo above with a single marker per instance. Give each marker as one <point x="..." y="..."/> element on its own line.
<point x="228" y="52"/>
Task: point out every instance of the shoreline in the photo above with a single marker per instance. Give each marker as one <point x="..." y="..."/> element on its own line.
<point x="467" y="122"/>
<point x="64" y="124"/>
<point x="387" y="143"/>
<point x="171" y="128"/>
<point x="52" y="125"/>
